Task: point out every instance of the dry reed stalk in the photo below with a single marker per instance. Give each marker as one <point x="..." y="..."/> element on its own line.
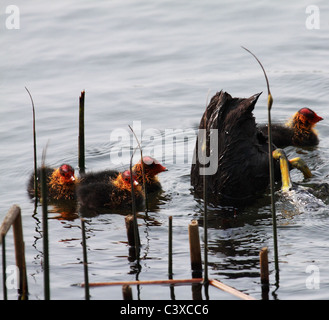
<point x="230" y="290"/>
<point x="215" y="283"/>
<point x="14" y="218"/>
<point x="144" y="282"/>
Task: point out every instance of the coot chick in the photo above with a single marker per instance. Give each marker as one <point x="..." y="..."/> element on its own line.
<point x="100" y="176"/>
<point x="152" y="168"/>
<point x="113" y="194"/>
<point x="61" y="183"/>
<point x="242" y="163"/>
<point x="299" y="131"/>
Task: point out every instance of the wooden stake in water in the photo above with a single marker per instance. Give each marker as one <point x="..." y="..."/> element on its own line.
<point x="82" y="132"/>
<point x="271" y="164"/>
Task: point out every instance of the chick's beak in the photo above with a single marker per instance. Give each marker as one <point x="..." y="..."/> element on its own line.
<point x="317" y="118"/>
<point x="163" y="168"/>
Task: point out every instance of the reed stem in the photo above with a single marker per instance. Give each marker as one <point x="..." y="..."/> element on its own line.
<point x="45" y="233"/>
<point x="85" y="259"/>
<point x="205" y="228"/>
<point x="270" y="150"/>
<point x="34" y="149"/>
<point x="136" y="233"/>
<point x="271" y="165"/>
<point x="215" y="283"/>
<point x="44" y="196"/>
<point x="82" y="133"/>
<point x="230" y="290"/>
<point x="205" y="200"/>
<point x="145" y="282"/>
<point x="4" y="266"/>
<point x="170" y="270"/>
<point x="20" y="255"/>
<point x="143" y="170"/>
<point x="14" y="218"/>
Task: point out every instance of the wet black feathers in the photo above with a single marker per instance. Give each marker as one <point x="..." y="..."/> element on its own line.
<point x="243" y="169"/>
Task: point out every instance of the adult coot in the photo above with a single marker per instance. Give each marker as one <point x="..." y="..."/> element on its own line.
<point x="242" y="161"/>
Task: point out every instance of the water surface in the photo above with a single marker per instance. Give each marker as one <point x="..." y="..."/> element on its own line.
<point x="153" y="63"/>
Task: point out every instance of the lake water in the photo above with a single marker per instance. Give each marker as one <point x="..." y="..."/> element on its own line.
<point x="151" y="64"/>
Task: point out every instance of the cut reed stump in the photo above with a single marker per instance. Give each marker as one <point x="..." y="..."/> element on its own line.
<point x="195" y="250"/>
<point x="127" y="292"/>
<point x="129" y="220"/>
<point x="264" y="275"/>
<point x="132" y="238"/>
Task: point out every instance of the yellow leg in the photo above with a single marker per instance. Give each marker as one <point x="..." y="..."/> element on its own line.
<point x="284" y="167"/>
<point x="299" y="164"/>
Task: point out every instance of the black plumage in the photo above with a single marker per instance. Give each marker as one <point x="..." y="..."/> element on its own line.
<point x="243" y="162"/>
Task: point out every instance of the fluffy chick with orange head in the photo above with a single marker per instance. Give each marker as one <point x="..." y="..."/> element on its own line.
<point x="112" y="194"/>
<point x="152" y="168"/>
<point x="61" y="183"/>
<point x="299" y="131"/>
